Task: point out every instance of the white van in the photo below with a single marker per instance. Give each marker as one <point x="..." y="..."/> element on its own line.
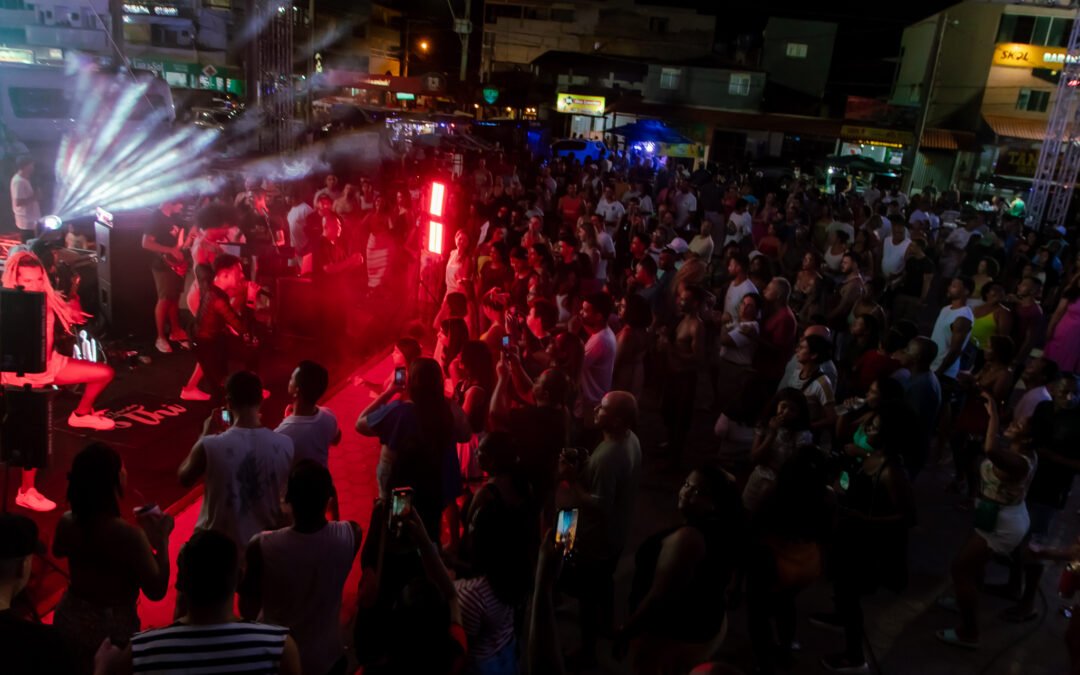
<point x="37" y="106"/>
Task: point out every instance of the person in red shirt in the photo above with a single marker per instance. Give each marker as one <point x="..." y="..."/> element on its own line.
<point x="776" y="341"/>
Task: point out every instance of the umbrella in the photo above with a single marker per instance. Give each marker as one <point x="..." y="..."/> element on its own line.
<point x="649" y="130"/>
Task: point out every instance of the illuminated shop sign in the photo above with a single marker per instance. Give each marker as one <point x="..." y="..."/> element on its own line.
<point x="1015" y="55"/>
<point x="579" y="104"/>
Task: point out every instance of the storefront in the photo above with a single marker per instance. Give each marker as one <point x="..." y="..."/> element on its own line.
<point x="586" y="114"/>
<point x="420" y="92"/>
<point x="879" y="144"/>
<point x="194" y="75"/>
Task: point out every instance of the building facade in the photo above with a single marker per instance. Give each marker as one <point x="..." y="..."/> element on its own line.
<point x="985" y="68"/>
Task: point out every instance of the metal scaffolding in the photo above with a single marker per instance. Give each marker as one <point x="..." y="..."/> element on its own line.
<point x="1059" y="158"/>
<point x="273" y="58"/>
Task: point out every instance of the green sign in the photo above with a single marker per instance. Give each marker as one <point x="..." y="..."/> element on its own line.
<point x="405" y="96"/>
<point x="491" y="95"/>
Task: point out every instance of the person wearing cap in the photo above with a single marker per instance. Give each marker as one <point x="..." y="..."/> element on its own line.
<point x="28" y="648"/>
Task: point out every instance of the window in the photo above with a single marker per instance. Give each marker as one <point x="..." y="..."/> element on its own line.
<point x="537" y="13"/>
<point x="562" y="15"/>
<point x="796" y="50"/>
<point x="35" y="102"/>
<point x="492" y="13"/>
<point x="1033" y="100"/>
<point x="669" y="78"/>
<point x="658" y="24"/>
<point x="739" y="85"/>
<point x="1045" y="31"/>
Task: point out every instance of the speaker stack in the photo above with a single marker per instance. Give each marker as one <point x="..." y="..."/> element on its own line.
<point x="25" y="430"/>
<point x="125" y="283"/>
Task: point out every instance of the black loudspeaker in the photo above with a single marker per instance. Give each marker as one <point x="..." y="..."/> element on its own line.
<point x="22" y="331"/>
<point x="125" y="284"/>
<point x="26" y="433"/>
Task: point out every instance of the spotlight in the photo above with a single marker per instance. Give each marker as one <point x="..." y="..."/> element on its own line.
<point x="52" y="222"/>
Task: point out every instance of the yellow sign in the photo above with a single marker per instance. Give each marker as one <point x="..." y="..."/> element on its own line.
<point x="9" y="55"/>
<point x="579" y="104"/>
<point x="876" y="136"/>
<point x="1015" y="55"/>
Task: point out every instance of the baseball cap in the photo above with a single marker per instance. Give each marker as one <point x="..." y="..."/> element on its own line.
<point x="679" y="245"/>
<point x="18" y="537"/>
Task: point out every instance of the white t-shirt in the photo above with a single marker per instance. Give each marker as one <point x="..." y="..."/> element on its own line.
<point x="919" y="216"/>
<point x="611" y="211"/>
<point x="959" y="238"/>
<point x="819" y="393"/>
<point x="606" y="245"/>
<point x="685" y="206"/>
<point x="942" y="336"/>
<point x="598" y="367"/>
<point x="791" y="370"/>
<point x="743" y="223"/>
<point x="702" y="247"/>
<point x="311" y="435"/>
<point x="1025" y="407"/>
<point x="892" y="256"/>
<point x="297" y="218"/>
<point x="735" y="294"/>
<point x="247" y="471"/>
<point x="745" y="335"/>
<point x="27" y="215"/>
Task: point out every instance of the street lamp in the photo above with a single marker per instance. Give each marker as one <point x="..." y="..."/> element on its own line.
<point x="423" y="45"/>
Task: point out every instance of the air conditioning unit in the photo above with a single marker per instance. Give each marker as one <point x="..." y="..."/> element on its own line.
<point x="45" y="17"/>
<point x="74" y="19"/>
<point x="185" y="38"/>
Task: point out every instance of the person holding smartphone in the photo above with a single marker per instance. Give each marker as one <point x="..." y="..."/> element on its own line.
<point x="111" y="561"/>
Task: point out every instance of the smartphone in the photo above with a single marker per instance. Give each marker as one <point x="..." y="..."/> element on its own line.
<point x="506" y="343"/>
<point x="399" y="376"/>
<point x="400" y="502"/>
<point x="151" y="509"/>
<point x="566" y="529"/>
<point x="226" y="417"/>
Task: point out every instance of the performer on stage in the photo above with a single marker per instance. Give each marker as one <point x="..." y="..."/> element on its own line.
<point x="25" y="270"/>
<point x="165" y="237"/>
<point x="222" y="324"/>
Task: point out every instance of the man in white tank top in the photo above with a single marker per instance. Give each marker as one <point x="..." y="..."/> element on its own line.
<point x="246" y="466"/>
<point x="893" y="250"/>
<point x="295" y="576"/>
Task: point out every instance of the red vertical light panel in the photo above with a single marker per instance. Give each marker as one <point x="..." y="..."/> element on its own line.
<point x="435" y="210"/>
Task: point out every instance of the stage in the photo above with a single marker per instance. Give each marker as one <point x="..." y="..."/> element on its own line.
<point x="155" y="430"/>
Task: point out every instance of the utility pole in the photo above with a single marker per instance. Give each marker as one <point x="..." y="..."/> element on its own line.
<point x="403" y="70"/>
<point x="927" y="93"/>
<point x="463" y="27"/>
<point x="116" y="29"/>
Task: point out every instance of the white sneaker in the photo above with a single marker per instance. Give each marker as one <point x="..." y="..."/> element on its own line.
<point x="163" y="346"/>
<point x="93" y="420"/>
<point x="193" y="394"/>
<point x="34" y="500"/>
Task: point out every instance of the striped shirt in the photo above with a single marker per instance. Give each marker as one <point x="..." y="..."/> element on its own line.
<point x="488" y="622"/>
<point x="241" y="648"/>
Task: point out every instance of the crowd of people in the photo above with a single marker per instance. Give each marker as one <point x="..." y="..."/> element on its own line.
<point x="832" y="345"/>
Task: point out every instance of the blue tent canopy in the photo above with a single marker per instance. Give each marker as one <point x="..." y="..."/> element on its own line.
<point x="649" y="130"/>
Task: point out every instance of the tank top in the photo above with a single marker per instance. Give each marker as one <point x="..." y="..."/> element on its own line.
<point x="983" y="328"/>
<point x="833" y="261"/>
<point x="303" y="577"/>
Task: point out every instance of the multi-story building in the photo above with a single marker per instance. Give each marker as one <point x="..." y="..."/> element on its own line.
<point x="985" y="68"/>
<point x="187" y="42"/>
<point x="359" y="36"/>
<point x="516" y="32"/>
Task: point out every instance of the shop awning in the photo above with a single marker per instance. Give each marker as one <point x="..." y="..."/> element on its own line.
<point x="729" y="119"/>
<point x="947" y="139"/>
<point x="1017" y="127"/>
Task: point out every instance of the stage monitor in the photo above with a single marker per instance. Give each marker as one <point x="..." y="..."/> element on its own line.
<point x="22" y="331"/>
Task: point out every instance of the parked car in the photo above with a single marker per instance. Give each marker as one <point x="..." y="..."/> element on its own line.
<point x="580" y="149"/>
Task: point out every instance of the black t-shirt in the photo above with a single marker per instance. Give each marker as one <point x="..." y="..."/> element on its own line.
<point x="166" y="231"/>
<point x="912" y="282"/>
<point x="1059" y="432"/>
<point x="32" y="648"/>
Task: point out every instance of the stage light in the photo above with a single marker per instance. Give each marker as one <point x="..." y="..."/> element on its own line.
<point x="435" y="237"/>
<point x="52" y="222"/>
<point x="438" y="196"/>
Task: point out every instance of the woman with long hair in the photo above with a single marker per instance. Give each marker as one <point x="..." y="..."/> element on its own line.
<point x="992" y="317"/>
<point x="110" y="560"/>
<point x="24" y="270"/>
<point x="807" y="291"/>
<point x="419" y="437"/>
<point x="473" y="377"/>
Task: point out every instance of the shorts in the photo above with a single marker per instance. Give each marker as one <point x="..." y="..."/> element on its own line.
<point x="1012" y="526"/>
<point x="54" y="365"/>
<point x="169" y="284"/>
